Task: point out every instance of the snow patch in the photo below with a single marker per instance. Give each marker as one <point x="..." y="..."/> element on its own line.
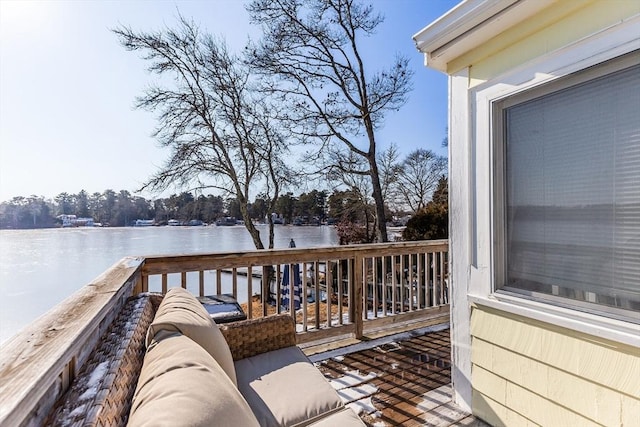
<point x="80" y="410"/>
<point x="97" y="374"/>
<point x="352" y="394"/>
<point x="363" y="406"/>
<point x="366" y="345"/>
<point x="351" y="379"/>
<point x="93" y="383"/>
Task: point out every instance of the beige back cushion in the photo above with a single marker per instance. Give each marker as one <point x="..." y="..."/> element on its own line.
<point x="181" y="384"/>
<point x="180" y="311"/>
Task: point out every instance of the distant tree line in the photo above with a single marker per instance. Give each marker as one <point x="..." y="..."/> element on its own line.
<point x="119" y="209"/>
<point x="348" y="209"/>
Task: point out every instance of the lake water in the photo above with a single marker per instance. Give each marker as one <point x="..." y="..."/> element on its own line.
<point x="40" y="268"/>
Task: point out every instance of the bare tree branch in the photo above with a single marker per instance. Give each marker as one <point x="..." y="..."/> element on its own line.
<point x="419" y="176"/>
<point x="207" y="115"/>
<point x="310" y="50"/>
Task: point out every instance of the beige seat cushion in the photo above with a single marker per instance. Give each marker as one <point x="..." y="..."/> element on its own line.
<point x="180" y="311"/>
<point x="344" y="418"/>
<point x="284" y="389"/>
<point x="182" y="385"/>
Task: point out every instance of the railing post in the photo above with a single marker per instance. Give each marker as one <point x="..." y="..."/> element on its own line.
<point x="142" y="284"/>
<point x="357" y="298"/>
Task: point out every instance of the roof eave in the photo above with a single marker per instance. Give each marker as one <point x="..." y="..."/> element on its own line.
<point x="470" y="24"/>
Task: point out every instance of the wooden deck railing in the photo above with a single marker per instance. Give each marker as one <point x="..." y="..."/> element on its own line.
<point x="353" y="289"/>
<point x="337" y="290"/>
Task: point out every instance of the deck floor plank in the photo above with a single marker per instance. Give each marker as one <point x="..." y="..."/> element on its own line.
<point x="400" y="383"/>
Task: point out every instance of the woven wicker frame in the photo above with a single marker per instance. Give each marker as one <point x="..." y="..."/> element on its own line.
<point x="102" y="391"/>
<point x="117" y="360"/>
<point x="248" y="338"/>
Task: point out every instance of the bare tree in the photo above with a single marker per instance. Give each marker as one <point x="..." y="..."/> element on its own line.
<point x="390" y="168"/>
<point x="354" y="177"/>
<point x="312" y="50"/>
<point x="276" y="172"/>
<point x="218" y="132"/>
<point x="419" y="176"/>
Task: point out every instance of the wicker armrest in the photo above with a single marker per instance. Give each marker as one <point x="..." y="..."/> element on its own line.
<point x="248" y="338"/>
<point x="101" y="393"/>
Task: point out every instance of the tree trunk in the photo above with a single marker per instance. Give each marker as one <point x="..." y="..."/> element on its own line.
<point x="253" y="231"/>
<point x="271" y="231"/>
<point x="379" y="201"/>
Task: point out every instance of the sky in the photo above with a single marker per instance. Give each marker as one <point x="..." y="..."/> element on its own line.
<point x="67" y="88"/>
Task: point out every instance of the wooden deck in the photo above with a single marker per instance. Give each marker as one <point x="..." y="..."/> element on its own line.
<point x="403" y="380"/>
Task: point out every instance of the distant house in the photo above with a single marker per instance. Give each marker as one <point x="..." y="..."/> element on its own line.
<point x="66" y="220"/>
<point x="544" y="193"/>
<point x="74" y="221"/>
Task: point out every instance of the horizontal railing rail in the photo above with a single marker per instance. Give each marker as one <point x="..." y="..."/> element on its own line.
<point x="336" y="290"/>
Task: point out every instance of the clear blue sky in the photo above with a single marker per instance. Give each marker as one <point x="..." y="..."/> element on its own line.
<point x="67" y="88"/>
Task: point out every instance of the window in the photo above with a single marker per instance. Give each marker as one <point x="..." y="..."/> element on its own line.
<point x="568" y="190"/>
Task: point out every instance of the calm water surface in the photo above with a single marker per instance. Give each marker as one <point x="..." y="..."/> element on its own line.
<point x="40" y="268"/>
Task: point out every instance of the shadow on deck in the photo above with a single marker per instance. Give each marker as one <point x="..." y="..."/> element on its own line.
<point x="403" y="380"/>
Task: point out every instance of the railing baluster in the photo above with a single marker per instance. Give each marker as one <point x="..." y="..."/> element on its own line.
<point x="439" y="278"/>
<point x="303" y="296"/>
<point x="385" y="297"/>
<point x="411" y="289"/>
<point x="445" y="275"/>
<point x="442" y="290"/>
<point x="234" y="282"/>
<point x="365" y="288"/>
<point x="357" y="295"/>
<point x="265" y="289"/>
<point x="318" y="296"/>
<point x="249" y="292"/>
<point x="201" y="282"/>
<point x="402" y="284"/>
<point x="352" y="302"/>
<point x="164" y="283"/>
<point x="292" y="306"/>
<point x="420" y="281"/>
<point x="434" y="278"/>
<point x="219" y="281"/>
<point x="374" y="286"/>
<point x="340" y="283"/>
<point x="278" y="290"/>
<point x="329" y="280"/>
<point x="183" y="279"/>
<point x="394" y="279"/>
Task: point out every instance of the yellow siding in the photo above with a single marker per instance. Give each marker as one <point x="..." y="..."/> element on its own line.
<point x="524" y="371"/>
<point x="630" y="411"/>
<point x="498" y="415"/>
<point x="554" y="27"/>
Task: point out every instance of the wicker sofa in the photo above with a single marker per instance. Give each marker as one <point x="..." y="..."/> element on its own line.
<point x="247" y="373"/>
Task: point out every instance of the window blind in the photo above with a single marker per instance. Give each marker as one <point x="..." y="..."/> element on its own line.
<point x="572" y="192"/>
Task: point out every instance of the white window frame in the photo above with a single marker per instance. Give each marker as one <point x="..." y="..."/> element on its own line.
<point x="499" y="150"/>
<point x="484" y="249"/>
